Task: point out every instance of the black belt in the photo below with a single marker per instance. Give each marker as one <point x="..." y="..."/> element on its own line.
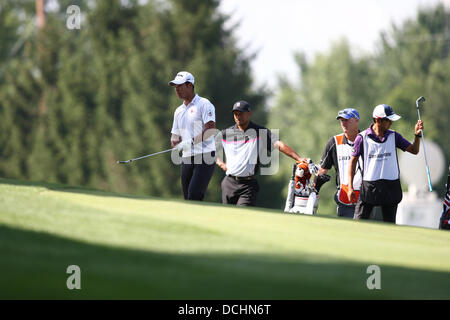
<point x="242" y="178"/>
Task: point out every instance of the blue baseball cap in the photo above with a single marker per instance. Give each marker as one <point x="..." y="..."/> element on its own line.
<point x="348" y="113"/>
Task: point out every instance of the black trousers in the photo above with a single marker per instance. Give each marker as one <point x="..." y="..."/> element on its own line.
<point x="363" y="210"/>
<point x="195" y="176"/>
<point x="239" y="192"/>
<point x="343" y="210"/>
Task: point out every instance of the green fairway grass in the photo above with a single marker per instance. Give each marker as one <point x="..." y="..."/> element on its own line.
<point x="131" y="247"/>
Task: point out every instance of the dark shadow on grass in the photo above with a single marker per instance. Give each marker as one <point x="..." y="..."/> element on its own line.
<point x="33" y="266"/>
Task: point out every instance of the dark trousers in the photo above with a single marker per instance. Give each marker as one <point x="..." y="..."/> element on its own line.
<point x="195" y="177"/>
<point x="363" y="210"/>
<point x="239" y="192"/>
<point x="346" y="211"/>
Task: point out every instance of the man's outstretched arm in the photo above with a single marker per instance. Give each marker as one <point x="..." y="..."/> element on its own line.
<point x="280" y="145"/>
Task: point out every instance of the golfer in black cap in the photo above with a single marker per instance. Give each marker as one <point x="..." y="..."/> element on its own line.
<point x="243" y="144"/>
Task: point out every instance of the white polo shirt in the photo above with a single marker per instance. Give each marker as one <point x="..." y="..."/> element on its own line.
<point x="189" y="121"/>
<point x="243" y="149"/>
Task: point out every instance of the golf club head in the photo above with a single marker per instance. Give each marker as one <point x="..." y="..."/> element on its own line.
<point x="419" y="100"/>
<point x="126" y="161"/>
<point x="321" y="180"/>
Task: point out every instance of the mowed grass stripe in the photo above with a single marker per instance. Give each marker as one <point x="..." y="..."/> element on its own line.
<point x="180" y="226"/>
<point x="221" y="240"/>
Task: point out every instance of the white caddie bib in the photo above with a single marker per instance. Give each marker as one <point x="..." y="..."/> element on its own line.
<point x="344" y="152"/>
<point x="380" y="159"/>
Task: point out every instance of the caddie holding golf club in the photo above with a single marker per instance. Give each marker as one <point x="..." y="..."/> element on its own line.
<point x="193" y="131"/>
<point x="381" y="174"/>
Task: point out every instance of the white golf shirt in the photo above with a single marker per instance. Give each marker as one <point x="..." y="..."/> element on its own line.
<point x="243" y="149"/>
<point x="189" y="121"/>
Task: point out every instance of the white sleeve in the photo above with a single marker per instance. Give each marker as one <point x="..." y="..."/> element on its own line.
<point x="209" y="113"/>
<point x="175" y="129"/>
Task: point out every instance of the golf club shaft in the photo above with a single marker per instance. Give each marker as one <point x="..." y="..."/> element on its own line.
<point x="147" y="156"/>
<point x="424" y="149"/>
<point x="426" y="163"/>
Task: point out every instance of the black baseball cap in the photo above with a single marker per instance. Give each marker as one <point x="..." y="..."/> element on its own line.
<point x="242" y="106"/>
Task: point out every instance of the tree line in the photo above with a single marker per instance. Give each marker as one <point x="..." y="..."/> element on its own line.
<point x="411" y="60"/>
<point x="73" y="102"/>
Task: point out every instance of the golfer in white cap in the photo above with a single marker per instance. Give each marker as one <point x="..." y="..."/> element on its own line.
<point x="193" y="131"/>
<point x="380" y="175"/>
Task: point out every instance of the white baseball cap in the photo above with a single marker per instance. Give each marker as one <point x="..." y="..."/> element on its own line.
<point x="385" y="111"/>
<point x="182" y="77"/>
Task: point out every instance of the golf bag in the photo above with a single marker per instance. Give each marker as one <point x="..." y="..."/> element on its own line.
<point x="302" y="196"/>
<point x="445" y="218"/>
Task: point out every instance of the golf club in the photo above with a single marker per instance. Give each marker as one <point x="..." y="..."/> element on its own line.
<point x="149" y="155"/>
<point x="418" y="101"/>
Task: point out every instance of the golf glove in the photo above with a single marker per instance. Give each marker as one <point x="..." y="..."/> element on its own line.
<point x="313" y="168"/>
<point x="184" y="145"/>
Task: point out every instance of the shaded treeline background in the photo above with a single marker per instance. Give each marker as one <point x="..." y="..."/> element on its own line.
<point x="72" y="102"/>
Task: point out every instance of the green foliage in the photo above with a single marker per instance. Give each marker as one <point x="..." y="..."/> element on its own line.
<point x="73" y="102"/>
<point x="306" y="113"/>
<point x="76" y="101"/>
<point x="413" y="61"/>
